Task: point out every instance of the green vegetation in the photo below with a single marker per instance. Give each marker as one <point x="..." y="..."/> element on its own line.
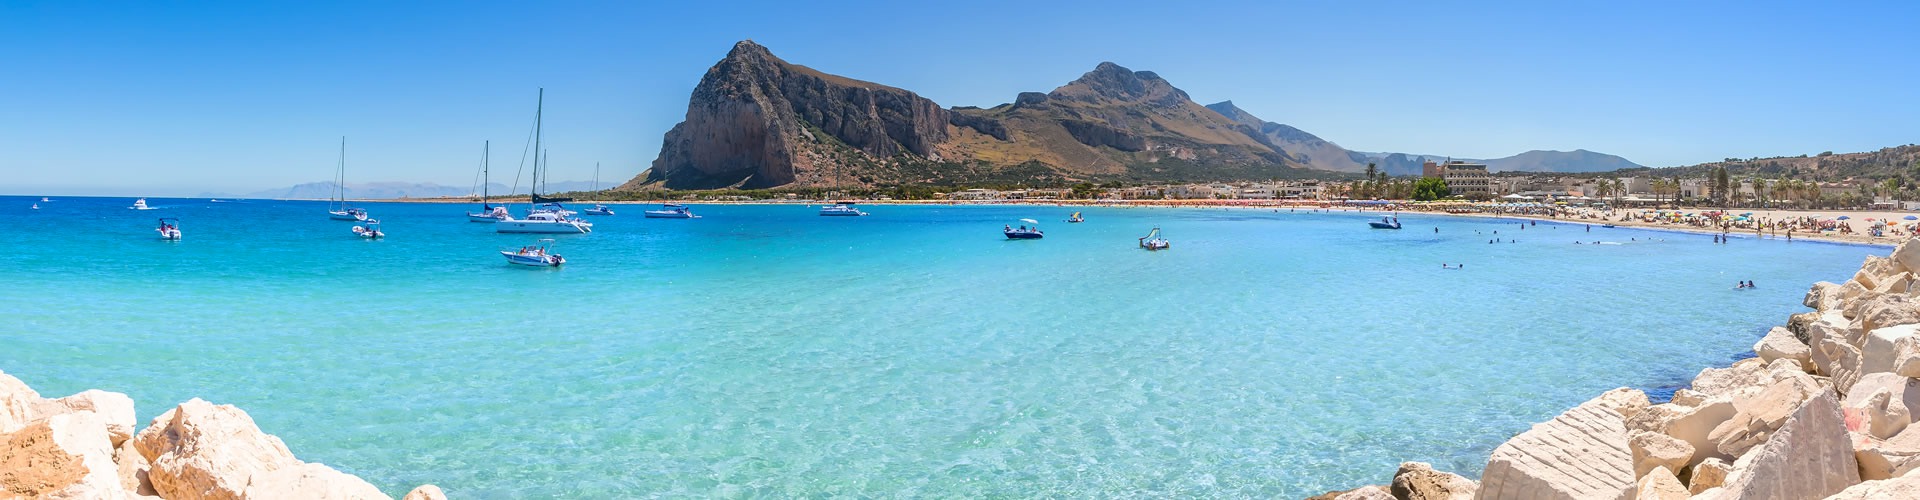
<point x="1429" y="189"/>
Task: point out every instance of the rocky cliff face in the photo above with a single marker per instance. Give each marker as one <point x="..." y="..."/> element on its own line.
<point x="1298" y="145"/>
<point x="757" y="121"/>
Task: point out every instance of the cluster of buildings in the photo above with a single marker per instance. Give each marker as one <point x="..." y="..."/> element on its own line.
<point x="1295" y="190"/>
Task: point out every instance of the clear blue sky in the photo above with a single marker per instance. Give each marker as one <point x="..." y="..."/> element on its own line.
<point x="186" y="97"/>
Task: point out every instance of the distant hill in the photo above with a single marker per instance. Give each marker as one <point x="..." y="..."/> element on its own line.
<point x="397" y="190"/>
<point x="1296" y="144"/>
<point x="1576" y="161"/>
<point x="1897" y="161"/>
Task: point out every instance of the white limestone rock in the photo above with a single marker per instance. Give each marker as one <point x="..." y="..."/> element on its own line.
<point x="1688" y="397"/>
<point x="115" y="407"/>
<point x="1367" y="493"/>
<point x="132" y="469"/>
<point x="1839" y="361"/>
<point x="1779" y="343"/>
<point x="1580" y="454"/>
<point x="425" y="492"/>
<point x="1692" y="424"/>
<point x="312" y="481"/>
<point x="1660" y="484"/>
<point x="1851" y="298"/>
<point x="1881" y="459"/>
<point x="204" y="451"/>
<point x="1710" y="473"/>
<point x="1888" y="310"/>
<point x="1903" y="487"/>
<point x="16" y="403"/>
<point x="1654" y="450"/>
<point x="1759" y="414"/>
<point x="1809" y="457"/>
<point x="1907" y="255"/>
<point x="1823" y="296"/>
<point x="1879" y="414"/>
<point x="69" y="455"/>
<point x="1418" y="481"/>
<point x="1625" y="401"/>
<point x="1724" y="381"/>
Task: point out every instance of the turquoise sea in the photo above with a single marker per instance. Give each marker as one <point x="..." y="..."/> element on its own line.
<point x="766" y="351"/>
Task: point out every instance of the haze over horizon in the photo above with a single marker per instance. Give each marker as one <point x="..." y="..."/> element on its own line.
<point x="181" y="99"/>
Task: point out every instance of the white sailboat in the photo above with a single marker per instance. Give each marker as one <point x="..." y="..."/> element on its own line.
<point x="598" y="209"/>
<point x="546" y="216"/>
<point x="487" y="212"/>
<point x="342" y="211"/>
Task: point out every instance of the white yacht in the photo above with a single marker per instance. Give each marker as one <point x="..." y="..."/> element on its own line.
<point x="671" y="211"/>
<point x="543" y="223"/>
<point x="140" y="204"/>
<point x="841" y="209"/>
<point x="539" y="254"/>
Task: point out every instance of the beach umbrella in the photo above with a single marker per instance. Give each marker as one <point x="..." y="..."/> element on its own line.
<point x="1748" y="214"/>
<point x="1911" y="218"/>
<point x="1869" y="219"/>
<point x="1843" y="217"/>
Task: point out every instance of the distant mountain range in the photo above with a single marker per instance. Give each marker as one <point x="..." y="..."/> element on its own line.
<point x="757" y="121"/>
<point x="392" y="190"/>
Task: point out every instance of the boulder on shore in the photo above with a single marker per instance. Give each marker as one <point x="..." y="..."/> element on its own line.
<point x="202" y="450"/>
<point x="1580" y="454"/>
<point x="1810" y="457"/>
<point x="1418" y="481"/>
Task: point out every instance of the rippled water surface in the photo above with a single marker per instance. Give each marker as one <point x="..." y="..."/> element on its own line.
<point x="763" y="350"/>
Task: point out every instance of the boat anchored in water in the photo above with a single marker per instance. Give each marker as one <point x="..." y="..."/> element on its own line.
<point x="547" y="216"/>
<point x="1024" y="232"/>
<point x="487" y="213"/>
<point x="169" y="229"/>
<point x="841" y="209"/>
<point x="598" y="209"/>
<point x="140" y="204"/>
<point x="539" y="254"/>
<point x="1385" y="223"/>
<point x="1153" y="241"/>
<point x="671" y="211"/>
<point x="341" y="211"/>
<point x="369" y="231"/>
<point x="1076" y="218"/>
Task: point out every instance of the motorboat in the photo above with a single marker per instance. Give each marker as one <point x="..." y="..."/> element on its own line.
<point x="543" y="223"/>
<point x="1024" y="232"/>
<point x="44" y="199"/>
<point x="1153" y="241"/>
<point x="539" y="254"/>
<point x="169" y="229"/>
<point x="1385" y="223"/>
<point x="369" y="231"/>
<point x="1076" y="218"/>
<point x="36" y="206"/>
<point x="350" y="214"/>
<point x="671" y="211"/>
<point x="140" y="204"/>
<point x="493" y="214"/>
<point x="841" y="209"/>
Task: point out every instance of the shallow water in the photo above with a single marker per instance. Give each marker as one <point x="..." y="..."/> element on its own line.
<point x="764" y="350"/>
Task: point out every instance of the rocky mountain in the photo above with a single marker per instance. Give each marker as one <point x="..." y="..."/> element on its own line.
<point x="757" y="121"/>
<point x="1578" y="160"/>
<point x="1298" y="145"/>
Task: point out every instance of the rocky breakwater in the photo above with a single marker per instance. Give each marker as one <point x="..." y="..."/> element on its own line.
<point x="1825" y="410"/>
<point x="85" y="446"/>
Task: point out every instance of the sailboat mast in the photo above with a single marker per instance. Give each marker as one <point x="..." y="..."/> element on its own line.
<point x="486" y="174"/>
<point x="340" y="175"/>
<point x="539" y="108"/>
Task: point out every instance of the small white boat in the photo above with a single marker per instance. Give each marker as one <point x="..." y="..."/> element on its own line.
<point x="140" y="204"/>
<point x="369" y="231"/>
<point x="543" y="223"/>
<point x="539" y="254"/>
<point x="1153" y="241"/>
<point x="44" y="199"/>
<point x="36" y="206"/>
<point x="169" y="229"/>
<point x="492" y="214"/>
<point x="841" y="209"/>
<point x="350" y="214"/>
<point x="599" y="210"/>
<point x="671" y="211"/>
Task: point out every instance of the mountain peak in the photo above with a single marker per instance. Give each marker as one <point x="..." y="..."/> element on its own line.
<point x="1109" y="81"/>
<point x="746" y="48"/>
